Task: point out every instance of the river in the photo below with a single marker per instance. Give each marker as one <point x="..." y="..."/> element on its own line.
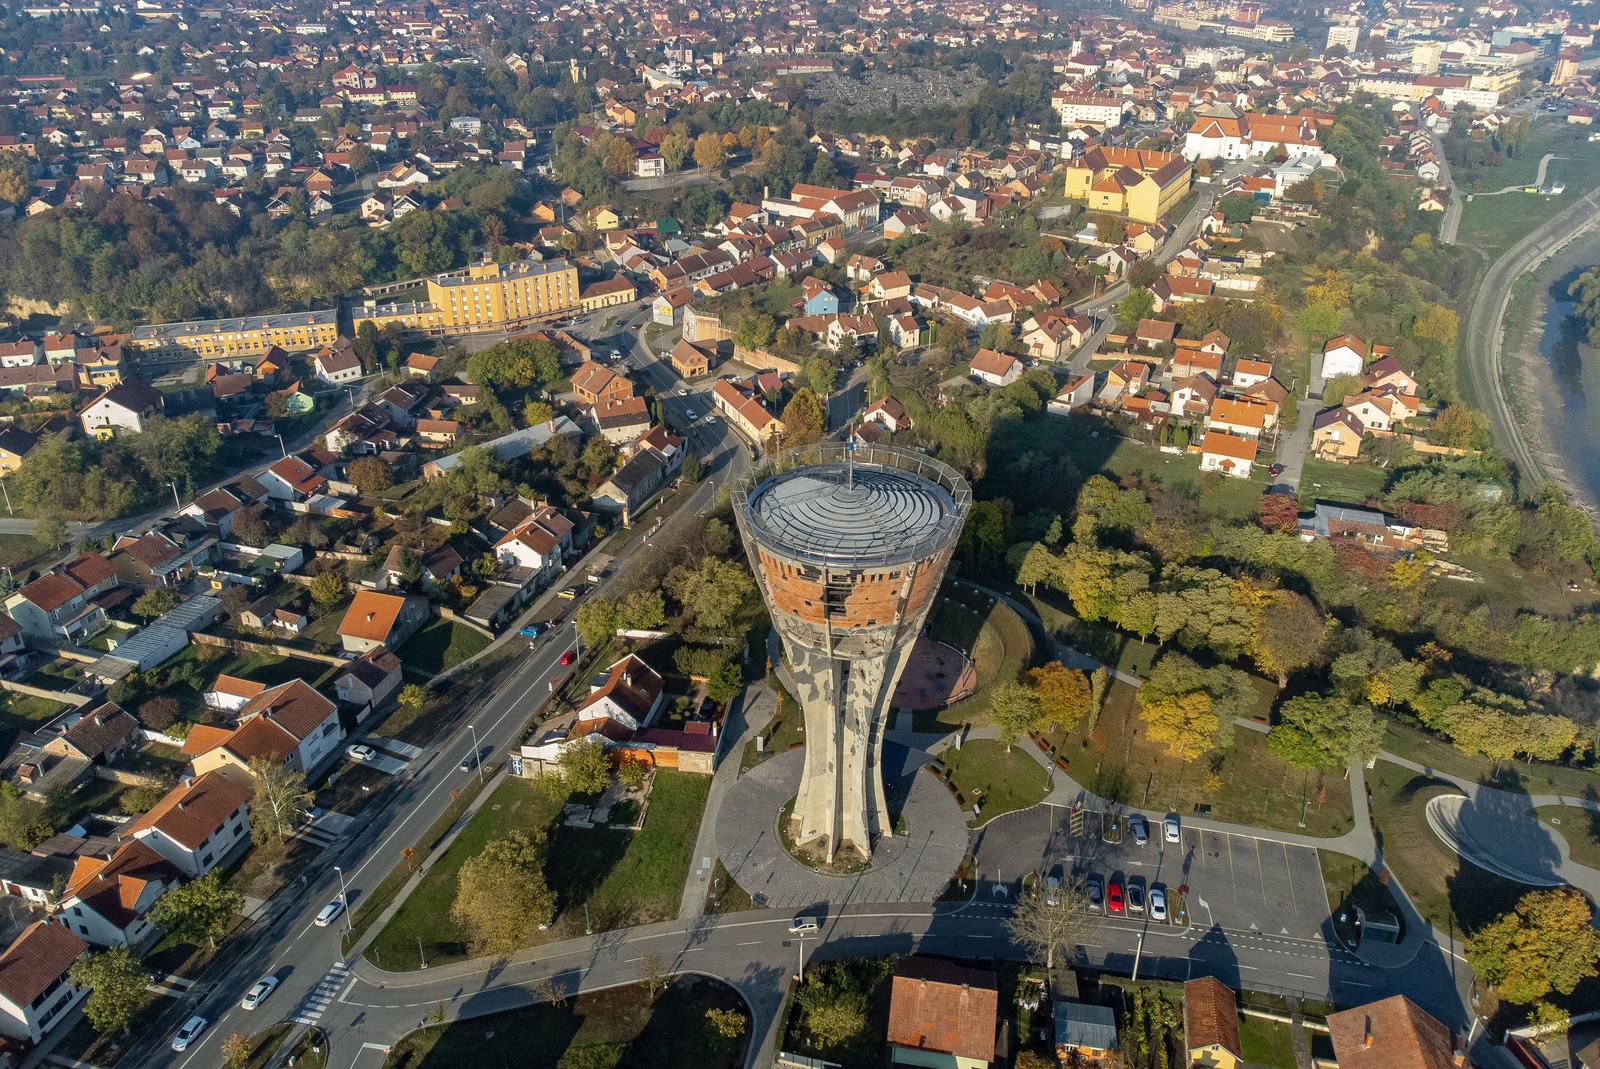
<point x="1557" y="375"/>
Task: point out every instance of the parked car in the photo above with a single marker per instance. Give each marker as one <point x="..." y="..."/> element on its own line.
<point x="1096" y="892"/>
<point x="803" y="925"/>
<point x="189" y="1032"/>
<point x="258" y="994"/>
<point x="1140" y="829"/>
<point x="683" y="391"/>
<point x="1136" y="894"/>
<point x="568" y="657"/>
<point x="360" y="752"/>
<point x="1158" y="904"/>
<point x="530" y="631"/>
<point x="1114" y="897"/>
<point x="1052" y="887"/>
<point x="1172" y="828"/>
<point x="330" y="913"/>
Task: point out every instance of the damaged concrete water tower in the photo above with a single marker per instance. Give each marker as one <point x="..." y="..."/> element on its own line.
<point x="849" y="545"/>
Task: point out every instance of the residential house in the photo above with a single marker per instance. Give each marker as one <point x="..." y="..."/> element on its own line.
<point x="337" y="366"/>
<point x="650" y="468"/>
<point x="1336" y="434"/>
<point x="1243" y="417"/>
<point x="622" y="421"/>
<point x="128" y="406"/>
<point x="1078" y="391"/>
<point x="691" y="360"/>
<point x="367" y="681"/>
<point x="594" y="382"/>
<point x="1393" y="1033"/>
<point x="35" y="988"/>
<point x="291" y="723"/>
<point x="231" y="693"/>
<point x="1248" y="373"/>
<point x="1227" y="454"/>
<point x="887" y="413"/>
<point x="630" y="693"/>
<point x="607" y="292"/>
<point x="62" y="604"/>
<point x="15" y="445"/>
<point x="995" y="368"/>
<point x="196" y="824"/>
<point x="746" y="414"/>
<point x="377" y="619"/>
<point x="422" y="366"/>
<point x="1211" y="1024"/>
<point x="942" y="1015"/>
<point x="101" y="736"/>
<point x="1085" y="1032"/>
<point x="1343" y="355"/>
<point x="107" y="898"/>
<point x="291" y="479"/>
<point x="816" y="298"/>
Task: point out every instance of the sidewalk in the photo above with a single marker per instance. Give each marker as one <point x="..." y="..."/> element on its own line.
<point x="751" y="713"/>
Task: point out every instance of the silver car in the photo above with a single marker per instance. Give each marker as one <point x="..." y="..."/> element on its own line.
<point x="1158" y="904"/>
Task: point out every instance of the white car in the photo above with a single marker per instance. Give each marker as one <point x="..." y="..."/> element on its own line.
<point x="1158" y="904"/>
<point x="330" y="913"/>
<point x="258" y="994"/>
<point x="1141" y="830"/>
<point x="1171" y="828"/>
<point x="692" y="414"/>
<point x="683" y="391"/>
<point x="360" y="752"/>
<point x="803" y="925"/>
<point x="189" y="1032"/>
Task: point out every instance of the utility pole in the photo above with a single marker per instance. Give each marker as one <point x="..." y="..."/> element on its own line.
<point x="176" y="503"/>
<point x="1137" y="954"/>
<point x="420" y="956"/>
<point x="9" y="510"/>
<point x="283" y="448"/>
<point x="477" y="753"/>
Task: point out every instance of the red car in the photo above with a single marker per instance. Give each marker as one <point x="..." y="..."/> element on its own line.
<point x="1114" y="897"/>
<point x="569" y="656"/>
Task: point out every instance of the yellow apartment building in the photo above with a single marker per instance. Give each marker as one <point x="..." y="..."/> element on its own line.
<point x="220" y="339"/>
<point x="1141" y="184"/>
<point x="484" y="296"/>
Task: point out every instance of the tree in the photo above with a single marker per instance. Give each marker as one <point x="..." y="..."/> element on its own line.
<point x="549" y="989"/>
<point x="582" y="768"/>
<point x="714" y="594"/>
<point x="633" y="774"/>
<point x="328" y="588"/>
<point x="52" y="531"/>
<point x="502" y="898"/>
<point x="725" y="683"/>
<point x="1063" y="693"/>
<point x="674" y="149"/>
<point x="803" y="418"/>
<point x="834" y="1010"/>
<point x="116" y="983"/>
<point x="655" y="973"/>
<point x="1289" y="634"/>
<point x="155" y="602"/>
<point x="1015" y="710"/>
<point x="369" y="474"/>
<point x="413" y="696"/>
<point x="251" y="529"/>
<point x="708" y="151"/>
<point x="1044" y="927"/>
<point x="158" y="714"/>
<point x="1325" y="731"/>
<point x="1186" y="724"/>
<point x="1137" y="304"/>
<point x="280" y="802"/>
<point x="199" y="909"/>
<point x="693" y="469"/>
<point x="235" y="1051"/>
<point x="1543" y="944"/>
<point x="728" y="1024"/>
<point x="536" y="412"/>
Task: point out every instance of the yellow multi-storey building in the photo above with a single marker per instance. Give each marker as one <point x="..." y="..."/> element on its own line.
<point x="484" y="296"/>
<point x="220" y="339"/>
<point x="1141" y="184"/>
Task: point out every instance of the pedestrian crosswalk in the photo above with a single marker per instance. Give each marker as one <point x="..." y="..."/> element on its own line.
<point x="311" y="1010"/>
<point x="316" y="836"/>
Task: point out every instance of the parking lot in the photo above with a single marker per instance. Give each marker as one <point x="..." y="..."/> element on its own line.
<point x="1235" y="882"/>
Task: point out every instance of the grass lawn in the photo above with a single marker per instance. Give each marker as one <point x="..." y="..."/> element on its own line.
<point x="626" y="878"/>
<point x="982" y="769"/>
<point x="1249" y="784"/>
<point x="1095" y="449"/>
<point x="1506" y="585"/>
<point x="57" y="674"/>
<point x="1352" y="484"/>
<point x="1120" y="650"/>
<point x="620" y="1028"/>
<point x="725" y="895"/>
<point x="630" y="878"/>
<point x="990" y="633"/>
<point x="23" y="712"/>
<point x="1532" y="777"/>
<point x="1579" y="827"/>
<point x="1266" y="1042"/>
<point x="1350" y="883"/>
<point x="440" y="645"/>
<point x="22" y="553"/>
<point x="324" y="629"/>
<point x="517" y="803"/>
<point x="785" y="731"/>
<point x="1456" y="896"/>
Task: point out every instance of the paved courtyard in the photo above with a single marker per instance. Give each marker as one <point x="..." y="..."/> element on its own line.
<point x="913" y="867"/>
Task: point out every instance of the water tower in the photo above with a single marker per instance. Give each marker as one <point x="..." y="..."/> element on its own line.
<point x="849" y="546"/>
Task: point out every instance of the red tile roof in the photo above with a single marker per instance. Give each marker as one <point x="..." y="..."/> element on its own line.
<point x="1393" y="1033"/>
<point x="938" y="1006"/>
<point x="1210" y="1015"/>
<point x="189" y="815"/>
<point x="36" y="959"/>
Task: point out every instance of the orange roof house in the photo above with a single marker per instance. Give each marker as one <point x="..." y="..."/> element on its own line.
<point x="939" y="1007"/>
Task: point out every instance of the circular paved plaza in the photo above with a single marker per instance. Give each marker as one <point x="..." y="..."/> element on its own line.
<point x="935" y="675"/>
<point x="905" y="868"/>
<point x="1497" y="836"/>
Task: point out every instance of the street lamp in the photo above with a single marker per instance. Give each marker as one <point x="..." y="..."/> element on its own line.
<point x="344" y="898"/>
<point x="477" y="752"/>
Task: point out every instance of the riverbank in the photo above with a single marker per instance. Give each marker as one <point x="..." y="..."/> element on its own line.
<point x="1553" y="375"/>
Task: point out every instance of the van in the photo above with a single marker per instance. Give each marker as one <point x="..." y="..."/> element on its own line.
<point x="803" y="926"/>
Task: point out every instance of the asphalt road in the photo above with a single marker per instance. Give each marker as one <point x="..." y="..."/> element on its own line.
<point x="1486" y="324"/>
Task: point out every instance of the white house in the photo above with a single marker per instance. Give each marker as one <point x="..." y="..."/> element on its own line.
<point x="629" y="693"/>
<point x="126" y="406"/>
<point x="35" y="991"/>
<point x="887" y="413"/>
<point x="230" y="693"/>
<point x="1078" y="392"/>
<point x="106" y="899"/>
<point x="1344" y="355"/>
<point x="337" y="366"/>
<point x="291" y="479"/>
<point x="197" y="824"/>
<point x="1227" y="454"/>
<point x="1104" y="110"/>
<point x="291" y="722"/>
<point x="995" y="368"/>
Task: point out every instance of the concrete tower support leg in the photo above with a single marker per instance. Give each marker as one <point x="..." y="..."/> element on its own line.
<point x="816" y="809"/>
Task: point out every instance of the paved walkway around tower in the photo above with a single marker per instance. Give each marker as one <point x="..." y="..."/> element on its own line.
<point x="914" y="867"/>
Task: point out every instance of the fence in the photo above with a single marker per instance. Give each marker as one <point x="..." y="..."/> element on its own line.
<point x="764" y="358"/>
<point x="245" y="645"/>
<point x="123" y="776"/>
<point x="66" y="697"/>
